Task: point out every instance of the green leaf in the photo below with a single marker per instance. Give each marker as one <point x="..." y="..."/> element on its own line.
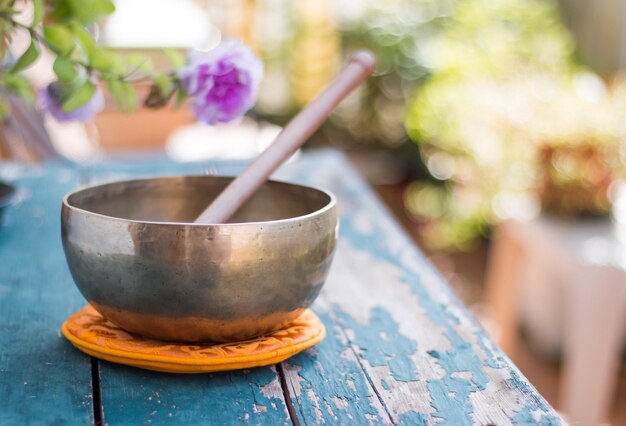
<point x="4" y="109"/>
<point x="60" y="38"/>
<point x="164" y="83"/>
<point x="131" y="97"/>
<point x="28" y="57"/>
<point x="64" y="69"/>
<point x="19" y="85"/>
<point x="88" y="11"/>
<point x="136" y="63"/>
<point x="24" y="90"/>
<point x="124" y="94"/>
<point x="38" y="10"/>
<point x="79" y="97"/>
<point x="60" y="11"/>
<point x="86" y="41"/>
<point x="116" y="89"/>
<point x="102" y="60"/>
<point x="118" y="64"/>
<point x="181" y="96"/>
<point x="176" y="58"/>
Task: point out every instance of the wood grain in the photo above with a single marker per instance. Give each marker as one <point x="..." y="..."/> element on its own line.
<point x="134" y="396"/>
<point x="328" y="384"/>
<point x="424" y="355"/>
<point x="43" y="379"/>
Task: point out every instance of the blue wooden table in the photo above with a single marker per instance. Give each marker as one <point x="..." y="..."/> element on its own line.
<point x="400" y="349"/>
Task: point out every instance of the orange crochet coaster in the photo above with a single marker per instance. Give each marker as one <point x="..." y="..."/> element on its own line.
<point x="92" y="334"/>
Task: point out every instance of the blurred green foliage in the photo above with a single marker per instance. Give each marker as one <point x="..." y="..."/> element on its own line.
<point x="309" y="42"/>
<point x="503" y="86"/>
<point x="480" y="85"/>
<point x="398" y="33"/>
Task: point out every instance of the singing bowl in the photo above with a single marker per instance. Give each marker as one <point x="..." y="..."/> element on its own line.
<point x="138" y="259"/>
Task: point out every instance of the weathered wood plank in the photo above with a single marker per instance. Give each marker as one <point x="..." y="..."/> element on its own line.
<point x="133" y="396"/>
<point x="328" y="385"/>
<point x="43" y="379"/>
<point x="423" y="353"/>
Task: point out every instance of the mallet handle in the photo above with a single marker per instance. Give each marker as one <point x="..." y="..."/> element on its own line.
<point x="360" y="66"/>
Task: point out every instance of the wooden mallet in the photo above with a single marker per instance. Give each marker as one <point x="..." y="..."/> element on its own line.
<point x="360" y="66"/>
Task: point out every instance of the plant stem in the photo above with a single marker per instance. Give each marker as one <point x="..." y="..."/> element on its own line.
<point x="6" y="22"/>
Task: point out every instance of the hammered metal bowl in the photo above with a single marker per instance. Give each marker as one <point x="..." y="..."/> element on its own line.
<point x="137" y="258"/>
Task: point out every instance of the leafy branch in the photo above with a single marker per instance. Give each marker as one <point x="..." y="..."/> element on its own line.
<point x="61" y="27"/>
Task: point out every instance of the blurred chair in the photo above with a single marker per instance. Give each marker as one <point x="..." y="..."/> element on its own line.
<point x="567" y="282"/>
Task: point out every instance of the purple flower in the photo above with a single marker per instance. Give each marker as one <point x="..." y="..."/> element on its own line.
<point x="50" y="101"/>
<point x="223" y="82"/>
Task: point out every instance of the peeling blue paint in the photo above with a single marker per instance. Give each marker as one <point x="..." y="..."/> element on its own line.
<point x="534" y="401"/>
<point x="462" y="357"/>
<point x="525" y="417"/>
<point x="134" y="396"/>
<point x="382" y="343"/>
<point x="434" y="354"/>
<point x="413" y="418"/>
<point x="384" y="384"/>
<point x="333" y="378"/>
<point x="493" y="359"/>
<point x="450" y="399"/>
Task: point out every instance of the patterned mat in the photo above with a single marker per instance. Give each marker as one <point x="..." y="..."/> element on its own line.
<point x="92" y="334"/>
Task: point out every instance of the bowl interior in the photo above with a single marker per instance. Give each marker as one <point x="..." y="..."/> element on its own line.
<point x="182" y="198"/>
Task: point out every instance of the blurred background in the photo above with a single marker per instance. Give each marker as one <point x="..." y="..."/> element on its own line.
<point x="487" y="122"/>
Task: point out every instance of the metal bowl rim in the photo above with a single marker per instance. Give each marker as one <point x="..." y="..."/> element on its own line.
<point x="330" y="205"/>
